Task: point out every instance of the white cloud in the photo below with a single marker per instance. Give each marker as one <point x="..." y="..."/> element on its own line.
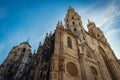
<point x="105" y="18"/>
<point x="113" y="32"/>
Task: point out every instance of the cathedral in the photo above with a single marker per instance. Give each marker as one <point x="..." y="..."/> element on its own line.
<point x="69" y="53"/>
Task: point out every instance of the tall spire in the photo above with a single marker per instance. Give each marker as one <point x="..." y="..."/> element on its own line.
<point x="59" y="25"/>
<point x="28" y="40"/>
<point x="71" y="10"/>
<point x="88" y="21"/>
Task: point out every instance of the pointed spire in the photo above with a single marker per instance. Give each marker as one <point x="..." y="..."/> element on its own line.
<point x="34" y="51"/>
<point x="46" y="34"/>
<point x="70" y="8"/>
<point x="40" y="44"/>
<point x="61" y="22"/>
<point x="58" y="24"/>
<point x="88" y="21"/>
<point x="50" y="34"/>
<point x="28" y="40"/>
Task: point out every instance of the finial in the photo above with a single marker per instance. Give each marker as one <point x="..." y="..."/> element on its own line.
<point x="34" y="51"/>
<point x="46" y="34"/>
<point x="40" y="43"/>
<point x="50" y="33"/>
<point x="61" y="22"/>
<point x="70" y="7"/>
<point x="28" y="40"/>
<point x="88" y="21"/>
<point x="58" y="23"/>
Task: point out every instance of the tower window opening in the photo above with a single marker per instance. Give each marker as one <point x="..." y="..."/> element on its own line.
<point x="98" y="35"/>
<point x="67" y="26"/>
<point x="75" y="29"/>
<point x="83" y="38"/>
<point x="73" y="23"/>
<point x="23" y="50"/>
<point x="69" y="42"/>
<point x="72" y="17"/>
<point x="67" y="20"/>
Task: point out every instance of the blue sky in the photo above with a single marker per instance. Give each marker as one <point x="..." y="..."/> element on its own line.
<point x="23" y="19"/>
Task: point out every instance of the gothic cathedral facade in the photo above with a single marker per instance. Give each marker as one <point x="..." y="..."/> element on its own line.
<point x="70" y="53"/>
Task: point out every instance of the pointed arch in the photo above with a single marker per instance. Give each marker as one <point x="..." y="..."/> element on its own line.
<point x="73" y="23"/>
<point x="23" y="50"/>
<point x="69" y="42"/>
<point x="72" y="17"/>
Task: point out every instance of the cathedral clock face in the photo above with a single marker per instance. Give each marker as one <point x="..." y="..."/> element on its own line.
<point x="72" y="69"/>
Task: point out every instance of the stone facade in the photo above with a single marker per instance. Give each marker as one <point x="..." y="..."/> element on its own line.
<point x="70" y="53"/>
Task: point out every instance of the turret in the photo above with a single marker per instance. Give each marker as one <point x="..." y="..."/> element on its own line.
<point x="25" y="45"/>
<point x="96" y="32"/>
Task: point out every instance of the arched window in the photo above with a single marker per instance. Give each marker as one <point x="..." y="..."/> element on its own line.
<point x="67" y="25"/>
<point x="23" y="50"/>
<point x="72" y="17"/>
<point x="75" y="29"/>
<point x="98" y="35"/>
<point x="73" y="23"/>
<point x="94" y="72"/>
<point x="69" y="42"/>
<point x="83" y="38"/>
<point x="67" y="20"/>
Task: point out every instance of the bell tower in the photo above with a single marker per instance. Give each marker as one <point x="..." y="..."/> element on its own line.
<point x="73" y="21"/>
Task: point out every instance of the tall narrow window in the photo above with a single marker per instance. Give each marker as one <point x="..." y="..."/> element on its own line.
<point x="75" y="29"/>
<point x="23" y="50"/>
<point x="72" y="17"/>
<point x="94" y="72"/>
<point x="67" y="20"/>
<point x="73" y="23"/>
<point x="83" y="38"/>
<point x="67" y="25"/>
<point x="69" y="42"/>
<point x="98" y="35"/>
